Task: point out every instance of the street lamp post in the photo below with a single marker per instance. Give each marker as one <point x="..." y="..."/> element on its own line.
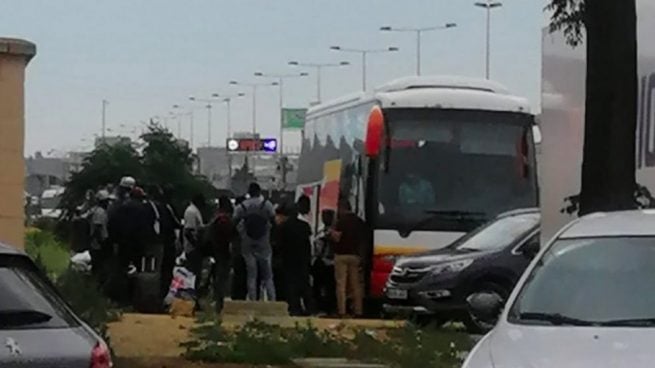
<point x="419" y="33"/>
<point x="280" y="81"/>
<point x="228" y="105"/>
<point x="180" y="115"/>
<point x="209" y="104"/>
<point x="104" y="117"/>
<point x="489" y="5"/>
<point x="319" y="71"/>
<point x="254" y="87"/>
<point x="364" y="53"/>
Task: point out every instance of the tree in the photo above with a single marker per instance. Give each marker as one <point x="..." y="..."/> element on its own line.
<point x="163" y="162"/>
<point x="106" y="164"/>
<point x="608" y="170"/>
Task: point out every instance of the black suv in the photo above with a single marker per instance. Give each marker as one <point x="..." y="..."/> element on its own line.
<point x="435" y="285"/>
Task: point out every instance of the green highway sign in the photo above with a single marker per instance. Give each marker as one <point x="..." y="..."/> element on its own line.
<point x="293" y="118"/>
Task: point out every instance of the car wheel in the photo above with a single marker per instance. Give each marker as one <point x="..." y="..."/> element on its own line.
<point x="476" y="325"/>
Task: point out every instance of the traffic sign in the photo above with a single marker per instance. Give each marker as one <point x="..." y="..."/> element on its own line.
<point x="293" y="118"/>
<point x="252" y="145"/>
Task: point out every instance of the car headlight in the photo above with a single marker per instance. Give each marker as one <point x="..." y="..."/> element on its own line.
<point x="452" y="267"/>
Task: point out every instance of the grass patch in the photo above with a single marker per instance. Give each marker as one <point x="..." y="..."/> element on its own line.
<point x="47" y="251"/>
<point x="265" y="344"/>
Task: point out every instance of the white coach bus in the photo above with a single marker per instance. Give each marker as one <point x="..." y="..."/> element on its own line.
<point x="423" y="160"/>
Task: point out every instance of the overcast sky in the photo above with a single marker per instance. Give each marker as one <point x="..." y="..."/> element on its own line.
<point x="144" y="56"/>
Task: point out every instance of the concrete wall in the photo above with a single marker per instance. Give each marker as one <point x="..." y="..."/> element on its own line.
<point x="14" y="56"/>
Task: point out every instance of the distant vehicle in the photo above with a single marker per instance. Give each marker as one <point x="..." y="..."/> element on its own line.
<point x="50" y="199"/>
<point x="37" y="328"/>
<point x="434" y="286"/>
<point x="424" y="160"/>
<point x="586" y="301"/>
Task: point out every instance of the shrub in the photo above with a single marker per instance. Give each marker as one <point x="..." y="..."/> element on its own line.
<point x="265" y="344"/>
<point x="50" y="254"/>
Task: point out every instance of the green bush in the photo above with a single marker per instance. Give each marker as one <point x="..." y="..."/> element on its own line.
<point x="264" y="344"/>
<point x="44" y="248"/>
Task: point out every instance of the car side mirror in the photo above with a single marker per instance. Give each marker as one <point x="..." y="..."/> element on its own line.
<point x="531" y="249"/>
<point x="485" y="306"/>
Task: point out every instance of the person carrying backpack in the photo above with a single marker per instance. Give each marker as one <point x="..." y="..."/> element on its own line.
<point x="254" y="221"/>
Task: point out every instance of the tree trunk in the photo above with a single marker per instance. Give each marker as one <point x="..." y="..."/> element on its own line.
<point x="608" y="168"/>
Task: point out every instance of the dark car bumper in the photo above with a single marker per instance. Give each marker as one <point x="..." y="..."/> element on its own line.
<point x="439" y="297"/>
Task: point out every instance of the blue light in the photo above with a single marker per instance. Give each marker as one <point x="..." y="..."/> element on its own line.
<point x="269" y="145"/>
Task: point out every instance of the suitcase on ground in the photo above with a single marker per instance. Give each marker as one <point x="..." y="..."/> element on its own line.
<point x="147" y="286"/>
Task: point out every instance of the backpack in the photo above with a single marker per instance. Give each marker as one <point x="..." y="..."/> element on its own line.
<point x="256" y="221"/>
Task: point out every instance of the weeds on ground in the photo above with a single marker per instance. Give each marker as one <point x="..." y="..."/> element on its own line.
<point x="261" y="343"/>
<point x="50" y="254"/>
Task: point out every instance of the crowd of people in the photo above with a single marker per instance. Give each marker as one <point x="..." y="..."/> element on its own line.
<point x="245" y="248"/>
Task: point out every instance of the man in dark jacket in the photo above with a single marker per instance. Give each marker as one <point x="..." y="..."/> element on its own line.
<point x="349" y="238"/>
<point x="221" y="233"/>
<point x="169" y="223"/>
<point x="294" y="237"/>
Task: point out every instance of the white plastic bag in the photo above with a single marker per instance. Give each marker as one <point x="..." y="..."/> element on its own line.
<point x="81" y="261"/>
<point x="183" y="281"/>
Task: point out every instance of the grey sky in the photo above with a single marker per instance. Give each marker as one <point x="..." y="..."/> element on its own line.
<point x="146" y="55"/>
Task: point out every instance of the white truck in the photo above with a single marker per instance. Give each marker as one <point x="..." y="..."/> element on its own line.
<point x="562" y="119"/>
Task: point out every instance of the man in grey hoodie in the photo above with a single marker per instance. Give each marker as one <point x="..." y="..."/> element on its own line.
<point x="254" y="221"/>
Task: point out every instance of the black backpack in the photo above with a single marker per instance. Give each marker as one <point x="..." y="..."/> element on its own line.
<point x="256" y="221"/>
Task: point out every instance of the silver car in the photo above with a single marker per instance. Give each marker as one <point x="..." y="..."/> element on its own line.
<point x="37" y="329"/>
<point x="587" y="300"/>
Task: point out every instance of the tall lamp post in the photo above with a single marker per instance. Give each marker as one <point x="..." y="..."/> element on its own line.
<point x="189" y="113"/>
<point x="254" y="87"/>
<point x="489" y="5"/>
<point x="319" y="71"/>
<point x="228" y="104"/>
<point x="280" y="81"/>
<point x="209" y="105"/>
<point x="419" y="33"/>
<point x="364" y="53"/>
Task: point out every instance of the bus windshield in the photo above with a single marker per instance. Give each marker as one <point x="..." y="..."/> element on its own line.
<point x="454" y="161"/>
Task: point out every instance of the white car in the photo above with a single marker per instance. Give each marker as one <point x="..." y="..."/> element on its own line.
<point x="587" y="300"/>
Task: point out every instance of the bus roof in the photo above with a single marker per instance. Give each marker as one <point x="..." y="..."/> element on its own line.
<point x="448" y="92"/>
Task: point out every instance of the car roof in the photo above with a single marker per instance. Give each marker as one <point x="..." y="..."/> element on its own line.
<point x="607" y="224"/>
<point x="518" y="212"/>
<point x="8" y="250"/>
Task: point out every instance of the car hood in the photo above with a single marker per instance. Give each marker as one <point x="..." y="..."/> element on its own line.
<point x="65" y="347"/>
<point x="563" y="347"/>
<point x="434" y="258"/>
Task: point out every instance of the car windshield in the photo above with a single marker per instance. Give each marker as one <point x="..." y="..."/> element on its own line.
<point x="464" y="161"/>
<point x="591" y="281"/>
<point x="499" y="233"/>
<point x="27" y="301"/>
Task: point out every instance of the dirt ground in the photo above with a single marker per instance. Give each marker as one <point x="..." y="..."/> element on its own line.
<point x="172" y="363"/>
<point x="152" y="341"/>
